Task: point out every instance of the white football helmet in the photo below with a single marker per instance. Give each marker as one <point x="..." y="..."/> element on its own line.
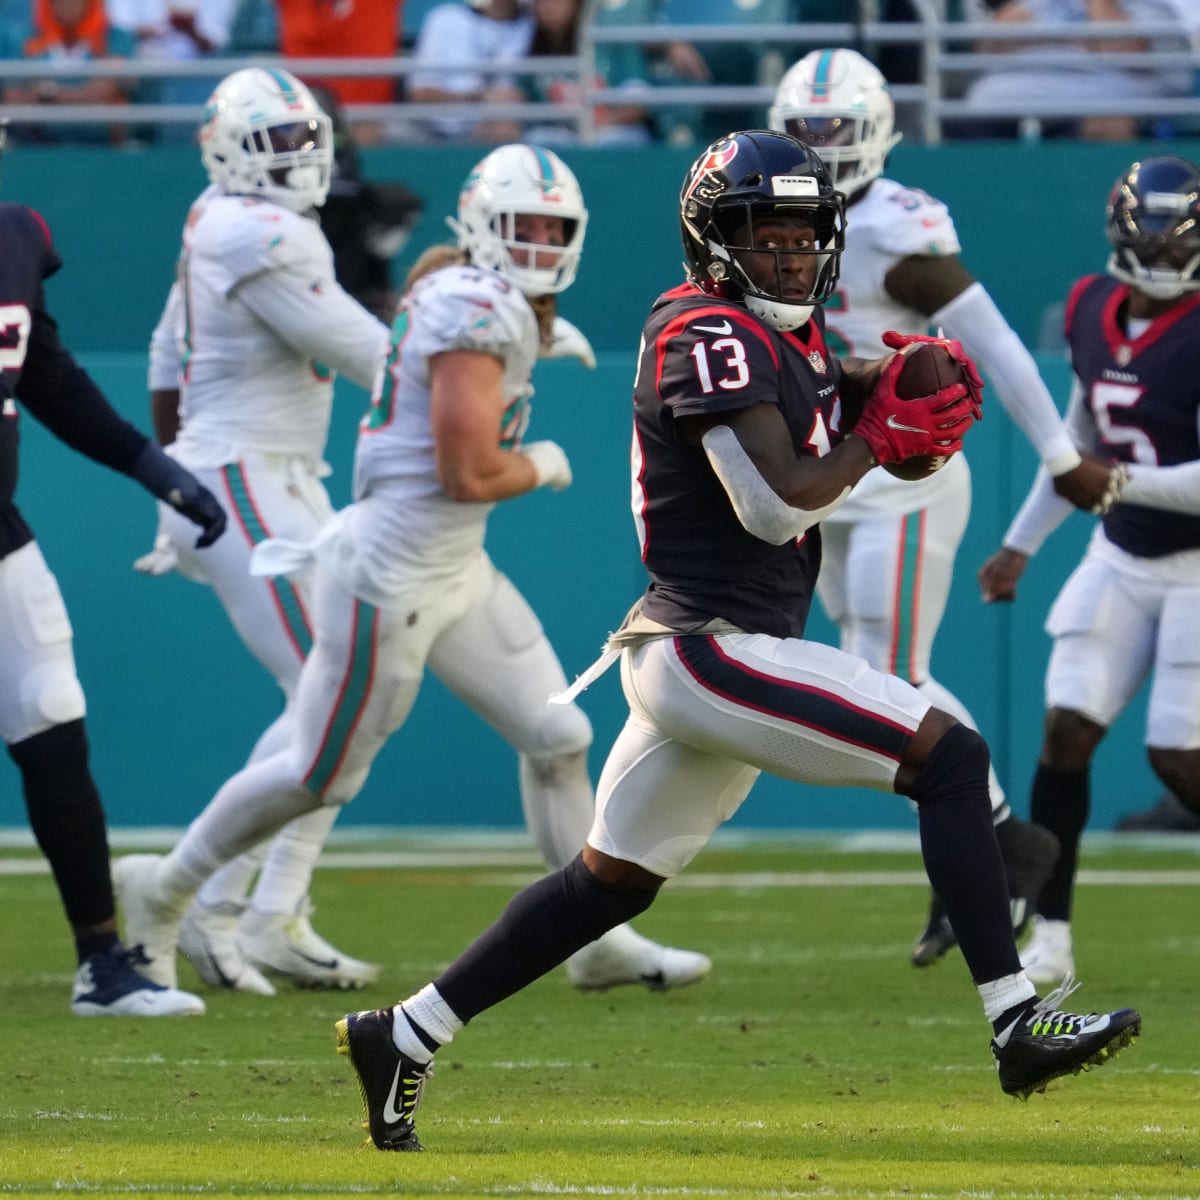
<point x="838" y="103"/>
<point x="264" y="134"/>
<point x="513" y="180"/>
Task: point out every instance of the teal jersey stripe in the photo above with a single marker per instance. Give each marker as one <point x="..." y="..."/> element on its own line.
<point x="907" y="598"/>
<point x="352" y="699"/>
<point x="287" y="598"/>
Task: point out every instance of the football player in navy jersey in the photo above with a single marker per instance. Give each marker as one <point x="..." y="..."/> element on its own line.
<point x="746" y="432"/>
<point x="1129" y="609"/>
<point x="41" y="701"/>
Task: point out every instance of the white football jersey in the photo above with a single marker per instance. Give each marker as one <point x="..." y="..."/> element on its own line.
<point x="455" y="308"/>
<point x="243" y="385"/>
<point x="889" y="223"/>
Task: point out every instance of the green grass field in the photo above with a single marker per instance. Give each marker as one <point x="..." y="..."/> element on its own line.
<point x="815" y="1061"/>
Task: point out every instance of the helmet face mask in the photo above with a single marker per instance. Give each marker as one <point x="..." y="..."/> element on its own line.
<point x="762" y="225"/>
<point x="521" y="214"/>
<point x="838" y="102"/>
<point x="264" y="134"/>
<point x="1153" y="225"/>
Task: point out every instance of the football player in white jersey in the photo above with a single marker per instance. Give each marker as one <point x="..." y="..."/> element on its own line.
<point x="889" y="550"/>
<point x="242" y="366"/>
<point x="403" y="580"/>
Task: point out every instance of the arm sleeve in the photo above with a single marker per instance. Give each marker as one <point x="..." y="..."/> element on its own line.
<point x="164" y="349"/>
<point x="1044" y="511"/>
<point x="761" y="510"/>
<point x="1176" y="488"/>
<point x="326" y="324"/>
<point x="973" y="318"/>
<point x="56" y="390"/>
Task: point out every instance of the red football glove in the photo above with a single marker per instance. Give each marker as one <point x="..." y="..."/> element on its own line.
<point x="897" y="341"/>
<point x="897" y="429"/>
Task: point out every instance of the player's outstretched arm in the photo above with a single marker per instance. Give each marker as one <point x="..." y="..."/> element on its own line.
<point x="63" y="397"/>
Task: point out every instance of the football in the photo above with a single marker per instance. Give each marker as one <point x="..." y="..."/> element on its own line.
<point x="928" y="368"/>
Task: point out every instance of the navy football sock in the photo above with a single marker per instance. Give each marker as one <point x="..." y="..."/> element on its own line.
<point x="962" y="856"/>
<point x="1060" y="801"/>
<point x="541" y="927"/>
<point x="67" y="820"/>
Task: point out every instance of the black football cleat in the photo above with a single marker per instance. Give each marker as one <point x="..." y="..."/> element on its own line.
<point x="937" y="937"/>
<point x="1169" y="815"/>
<point x="1029" y="852"/>
<point x="1046" y="1044"/>
<point x="391" y="1083"/>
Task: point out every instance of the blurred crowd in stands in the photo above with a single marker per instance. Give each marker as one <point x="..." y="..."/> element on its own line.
<point x="478" y="56"/>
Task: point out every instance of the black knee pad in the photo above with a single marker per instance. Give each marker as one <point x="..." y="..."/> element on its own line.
<point x="958" y="762"/>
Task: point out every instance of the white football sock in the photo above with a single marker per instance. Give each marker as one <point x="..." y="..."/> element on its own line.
<point x="435" y="1017"/>
<point x="999" y="995"/>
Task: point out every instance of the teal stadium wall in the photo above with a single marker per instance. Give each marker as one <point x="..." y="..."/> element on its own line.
<point x="175" y="703"/>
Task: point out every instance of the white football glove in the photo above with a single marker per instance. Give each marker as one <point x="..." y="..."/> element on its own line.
<point x="162" y="560"/>
<point x="550" y="462"/>
<point x="567" y="341"/>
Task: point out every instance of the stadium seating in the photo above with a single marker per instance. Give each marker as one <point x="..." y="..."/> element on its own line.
<point x="412" y="17"/>
<point x="732" y="62"/>
<point x="16" y="21"/>
<point x="255" y="28"/>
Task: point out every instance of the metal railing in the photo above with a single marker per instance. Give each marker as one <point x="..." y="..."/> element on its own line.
<point x="948" y="54"/>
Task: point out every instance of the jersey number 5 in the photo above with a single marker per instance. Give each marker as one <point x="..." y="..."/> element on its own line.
<point x="1107" y="397"/>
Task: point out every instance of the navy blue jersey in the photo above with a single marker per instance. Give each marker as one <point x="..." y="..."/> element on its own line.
<point x="1144" y="396"/>
<point x="701" y="356"/>
<point x="38" y="372"/>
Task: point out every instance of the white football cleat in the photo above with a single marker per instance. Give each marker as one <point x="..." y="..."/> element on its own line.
<point x="1047" y="957"/>
<point x="623" y="956"/>
<point x="285" y="945"/>
<point x="208" y="938"/>
<point x="151" y="929"/>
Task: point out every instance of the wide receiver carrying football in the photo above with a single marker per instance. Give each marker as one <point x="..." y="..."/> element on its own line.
<point x="930" y="367"/>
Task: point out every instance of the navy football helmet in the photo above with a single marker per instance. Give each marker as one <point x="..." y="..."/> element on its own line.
<point x="746" y="178"/>
<point x="1154" y="227"/>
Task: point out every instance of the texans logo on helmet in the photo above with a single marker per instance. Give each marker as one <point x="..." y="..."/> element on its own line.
<point x="714" y="160"/>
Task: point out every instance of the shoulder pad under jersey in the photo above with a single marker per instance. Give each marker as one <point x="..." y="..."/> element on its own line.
<point x="27" y="234"/>
<point x="465" y="308"/>
<point x="245" y="237"/>
<point x="902" y="221"/>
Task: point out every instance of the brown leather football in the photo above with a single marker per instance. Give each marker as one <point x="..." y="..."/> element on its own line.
<point x="928" y="368"/>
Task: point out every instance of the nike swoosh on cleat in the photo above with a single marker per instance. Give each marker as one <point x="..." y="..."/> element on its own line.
<point x="1001" y="1039"/>
<point x="724" y="327"/>
<point x="390" y="1114"/>
<point x="329" y="964"/>
<point x="655" y="980"/>
<point x="892" y="423"/>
